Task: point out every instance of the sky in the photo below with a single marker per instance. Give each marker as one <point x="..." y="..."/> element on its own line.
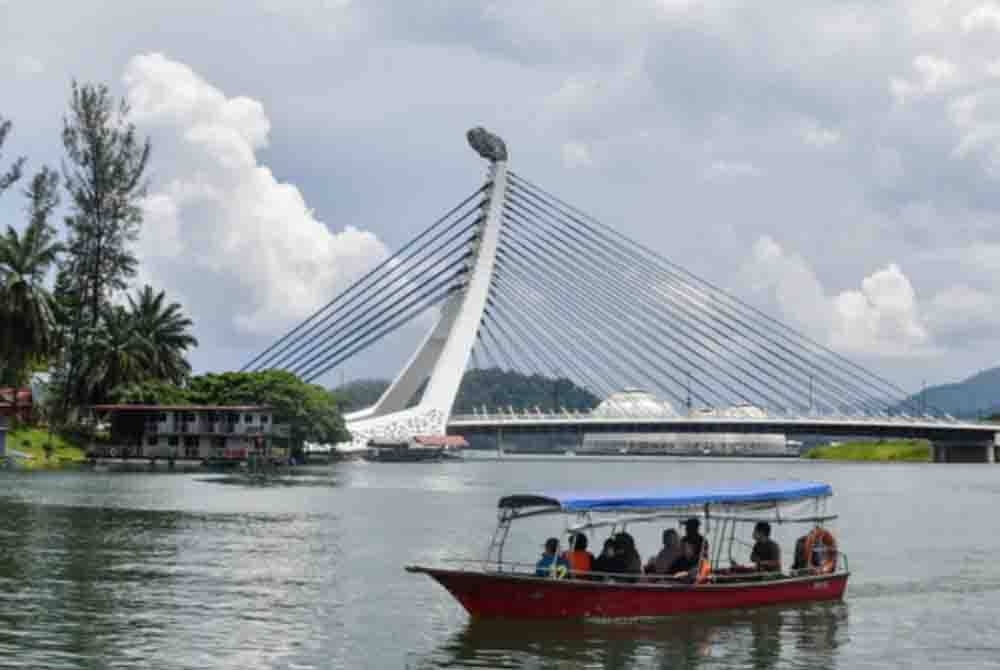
<point x="834" y="163"/>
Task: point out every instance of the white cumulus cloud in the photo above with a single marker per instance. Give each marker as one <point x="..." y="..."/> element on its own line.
<point x="933" y="73"/>
<point x="881" y="317"/>
<point x="242" y="249"/>
<point x="983" y="17"/>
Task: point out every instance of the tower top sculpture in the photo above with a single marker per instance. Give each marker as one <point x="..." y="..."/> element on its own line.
<point x="486" y="144"/>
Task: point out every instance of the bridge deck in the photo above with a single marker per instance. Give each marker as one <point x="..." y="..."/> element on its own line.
<point x="931" y="429"/>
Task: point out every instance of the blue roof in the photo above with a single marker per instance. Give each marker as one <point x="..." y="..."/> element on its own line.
<point x="675" y="497"/>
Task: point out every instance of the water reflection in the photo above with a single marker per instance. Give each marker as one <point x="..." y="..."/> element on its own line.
<point x="65" y="572"/>
<point x="759" y="639"/>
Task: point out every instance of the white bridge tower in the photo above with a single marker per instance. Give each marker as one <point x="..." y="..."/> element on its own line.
<point x="444" y="354"/>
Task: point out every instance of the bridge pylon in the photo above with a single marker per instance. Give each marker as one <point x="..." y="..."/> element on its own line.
<point x="441" y="359"/>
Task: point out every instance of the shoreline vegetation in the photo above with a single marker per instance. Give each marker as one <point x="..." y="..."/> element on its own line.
<point x="43" y="450"/>
<point x="909" y="451"/>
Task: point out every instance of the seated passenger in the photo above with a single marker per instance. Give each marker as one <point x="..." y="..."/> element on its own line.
<point x="799" y="562"/>
<point x="660" y="564"/>
<point x="631" y="562"/>
<point x="692" y="536"/>
<point x="685" y="567"/>
<point x="609" y="561"/>
<point x="551" y="561"/>
<point x="766" y="554"/>
<point x="579" y="559"/>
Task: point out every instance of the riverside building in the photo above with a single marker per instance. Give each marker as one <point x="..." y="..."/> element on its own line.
<point x="190" y="432"/>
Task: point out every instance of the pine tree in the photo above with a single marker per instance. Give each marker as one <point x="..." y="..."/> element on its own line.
<point x="13" y="173"/>
<point x="103" y="177"/>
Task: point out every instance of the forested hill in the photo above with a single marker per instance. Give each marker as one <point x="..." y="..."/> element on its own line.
<point x="979" y="395"/>
<point x="492" y="387"/>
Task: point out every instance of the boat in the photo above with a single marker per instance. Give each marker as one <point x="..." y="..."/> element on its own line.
<point x="419" y="448"/>
<point x="494" y="588"/>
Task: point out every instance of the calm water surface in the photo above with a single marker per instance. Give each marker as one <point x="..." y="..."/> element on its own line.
<point x="101" y="570"/>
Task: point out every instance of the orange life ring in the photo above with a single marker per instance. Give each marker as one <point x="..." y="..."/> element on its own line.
<point x="822" y="537"/>
<point x="704" y="571"/>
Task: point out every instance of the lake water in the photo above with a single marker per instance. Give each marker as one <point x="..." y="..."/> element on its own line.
<point x="103" y="570"/>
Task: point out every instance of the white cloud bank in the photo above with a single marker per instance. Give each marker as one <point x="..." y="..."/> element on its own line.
<point x="881" y="317"/>
<point x="241" y="249"/>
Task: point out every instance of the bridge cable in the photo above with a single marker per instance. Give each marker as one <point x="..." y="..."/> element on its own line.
<point x="361" y="282"/>
<point x="783" y="330"/>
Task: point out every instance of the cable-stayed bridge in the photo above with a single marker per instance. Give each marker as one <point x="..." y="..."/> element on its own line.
<point x="522" y="280"/>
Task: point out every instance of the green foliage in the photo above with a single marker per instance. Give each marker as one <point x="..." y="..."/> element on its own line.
<point x="103" y="176"/>
<point x="360" y="393"/>
<point x="13" y="173"/>
<point x="46" y="450"/>
<point x="310" y="411"/>
<point x="28" y="325"/>
<point x="895" y="450"/>
<point x="495" y="388"/>
<point x="150" y="392"/>
<point x="165" y="329"/>
<point x="492" y="387"/>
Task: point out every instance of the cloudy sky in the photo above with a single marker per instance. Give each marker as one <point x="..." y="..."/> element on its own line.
<point x="835" y="163"/>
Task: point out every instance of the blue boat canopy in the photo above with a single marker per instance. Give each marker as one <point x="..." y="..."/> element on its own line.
<point x="744" y="493"/>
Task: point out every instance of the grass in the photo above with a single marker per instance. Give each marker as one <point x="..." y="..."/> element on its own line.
<point x="890" y="450"/>
<point x="32" y="441"/>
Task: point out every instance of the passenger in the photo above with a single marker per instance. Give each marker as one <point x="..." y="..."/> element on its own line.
<point x="685" y="568"/>
<point x="544" y="566"/>
<point x="579" y="559"/>
<point x="766" y="554"/>
<point x="631" y="561"/>
<point x="660" y="564"/>
<point x="608" y="562"/>
<point x="799" y="562"/>
<point x="692" y="536"/>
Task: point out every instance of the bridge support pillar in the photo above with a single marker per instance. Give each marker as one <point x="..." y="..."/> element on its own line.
<point x="965" y="452"/>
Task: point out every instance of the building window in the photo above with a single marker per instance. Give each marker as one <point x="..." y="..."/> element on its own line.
<point x="189" y="416"/>
<point x="248" y="418"/>
<point x="264" y="418"/>
<point x="190" y="440"/>
<point x="172" y="441"/>
<point x="161" y="417"/>
<point x="152" y="440"/>
<point x="233" y="418"/>
<point x="219" y="442"/>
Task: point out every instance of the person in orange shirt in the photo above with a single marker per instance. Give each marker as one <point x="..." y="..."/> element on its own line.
<point x="580" y="560"/>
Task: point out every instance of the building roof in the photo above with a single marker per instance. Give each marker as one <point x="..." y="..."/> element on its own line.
<point x="181" y="408"/>
<point x="633" y="402"/>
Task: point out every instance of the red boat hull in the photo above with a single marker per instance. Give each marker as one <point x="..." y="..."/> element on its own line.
<point x="486" y="595"/>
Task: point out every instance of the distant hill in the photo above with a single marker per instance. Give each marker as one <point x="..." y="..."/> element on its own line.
<point x="979" y="395"/>
<point x="491" y="387"/>
<point x="359" y="393"/>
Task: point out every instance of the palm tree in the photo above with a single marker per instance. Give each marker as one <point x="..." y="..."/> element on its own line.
<point x="28" y="326"/>
<point x="114" y="354"/>
<point x="166" y="330"/>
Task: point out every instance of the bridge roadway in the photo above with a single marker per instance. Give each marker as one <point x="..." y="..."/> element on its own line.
<point x="953" y="440"/>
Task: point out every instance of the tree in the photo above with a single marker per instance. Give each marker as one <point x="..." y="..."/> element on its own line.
<point x="28" y="328"/>
<point x="103" y="176"/>
<point x="114" y="354"/>
<point x="150" y="392"/>
<point x="309" y="410"/>
<point x="13" y="173"/>
<point x="166" y="330"/>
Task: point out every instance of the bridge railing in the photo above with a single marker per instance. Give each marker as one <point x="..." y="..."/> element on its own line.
<point x="515" y="416"/>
